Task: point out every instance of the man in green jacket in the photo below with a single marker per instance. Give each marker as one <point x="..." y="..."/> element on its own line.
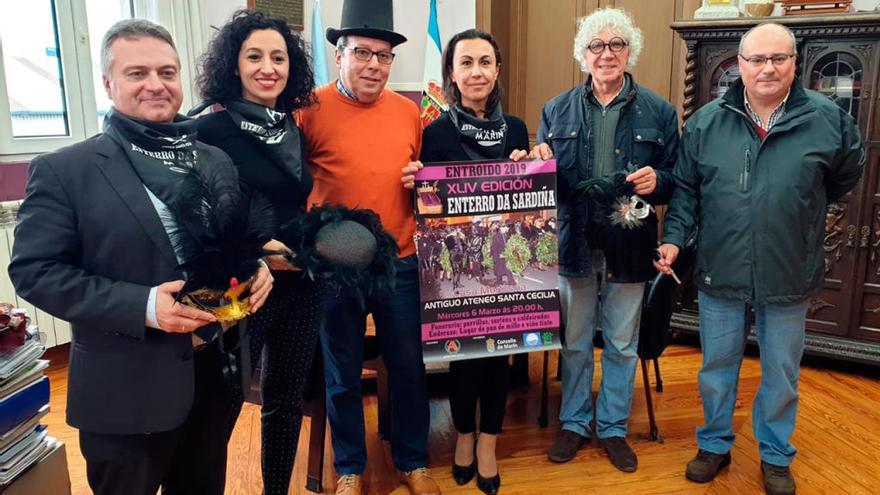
<point x="755" y="172"/>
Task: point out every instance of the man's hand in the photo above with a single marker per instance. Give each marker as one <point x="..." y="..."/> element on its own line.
<point x="409" y="173"/>
<point x="260" y="288"/>
<point x="645" y="180"/>
<point x="278" y="261"/>
<point x="174" y="317"/>
<point x="668" y="253"/>
<point x="541" y="151"/>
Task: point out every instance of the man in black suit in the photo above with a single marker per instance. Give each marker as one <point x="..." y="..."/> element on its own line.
<point x="92" y="247"/>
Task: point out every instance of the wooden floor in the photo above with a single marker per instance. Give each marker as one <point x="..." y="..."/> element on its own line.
<point x="837" y="435"/>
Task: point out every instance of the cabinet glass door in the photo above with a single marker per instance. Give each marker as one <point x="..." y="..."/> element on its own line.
<point x="838" y="70"/>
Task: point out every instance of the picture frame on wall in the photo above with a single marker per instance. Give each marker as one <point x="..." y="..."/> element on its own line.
<point x="289" y="10"/>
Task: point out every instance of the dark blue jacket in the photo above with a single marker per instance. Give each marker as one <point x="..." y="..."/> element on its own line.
<point x="647" y="134"/>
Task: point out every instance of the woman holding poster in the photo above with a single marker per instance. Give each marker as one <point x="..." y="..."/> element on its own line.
<point x="475" y="128"/>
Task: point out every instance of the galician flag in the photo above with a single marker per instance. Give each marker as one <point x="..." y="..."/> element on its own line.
<point x="432" y="87"/>
<point x="319" y="54"/>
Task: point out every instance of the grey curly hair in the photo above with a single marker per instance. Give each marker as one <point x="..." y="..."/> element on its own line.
<point x="617" y="21"/>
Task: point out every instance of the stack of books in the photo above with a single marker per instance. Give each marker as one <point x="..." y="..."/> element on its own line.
<point x="24" y="399"/>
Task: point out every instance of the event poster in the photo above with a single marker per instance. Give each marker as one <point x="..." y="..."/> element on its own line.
<point x="487" y="249"/>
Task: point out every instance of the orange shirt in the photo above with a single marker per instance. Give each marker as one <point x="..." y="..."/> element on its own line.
<point x="356" y="151"/>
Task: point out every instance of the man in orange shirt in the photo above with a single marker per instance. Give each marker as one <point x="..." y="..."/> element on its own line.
<point x="358" y="139"/>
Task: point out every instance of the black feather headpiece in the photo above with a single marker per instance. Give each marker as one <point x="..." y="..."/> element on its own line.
<point x="342" y="247"/>
<point x="222" y="230"/>
<point x="620" y="223"/>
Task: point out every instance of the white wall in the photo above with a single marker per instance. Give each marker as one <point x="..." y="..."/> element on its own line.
<point x="410" y="19"/>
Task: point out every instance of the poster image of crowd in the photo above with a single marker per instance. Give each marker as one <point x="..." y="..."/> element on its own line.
<point x="487" y="249"/>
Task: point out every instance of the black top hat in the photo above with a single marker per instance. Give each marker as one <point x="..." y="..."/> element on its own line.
<point x="369" y="18"/>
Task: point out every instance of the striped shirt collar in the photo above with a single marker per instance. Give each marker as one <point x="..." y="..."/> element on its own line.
<point x="777" y="113"/>
<point x="342" y="89"/>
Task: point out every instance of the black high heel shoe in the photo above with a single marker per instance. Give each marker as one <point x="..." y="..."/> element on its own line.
<point x="489" y="486"/>
<point x="464" y="474"/>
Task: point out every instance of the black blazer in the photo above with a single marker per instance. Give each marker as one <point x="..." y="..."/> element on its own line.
<point x="440" y="140"/>
<point x="257" y="169"/>
<point x="89" y="245"/>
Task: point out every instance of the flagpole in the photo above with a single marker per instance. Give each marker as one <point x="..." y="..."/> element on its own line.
<point x="433" y="103"/>
<point x="319" y="54"/>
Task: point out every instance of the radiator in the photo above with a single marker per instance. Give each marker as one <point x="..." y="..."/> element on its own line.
<point x="54" y="330"/>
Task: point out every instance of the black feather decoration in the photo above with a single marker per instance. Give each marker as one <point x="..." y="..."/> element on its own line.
<point x="600" y="195"/>
<point x="222" y="230"/>
<point x="342" y="247"/>
<point x="627" y="242"/>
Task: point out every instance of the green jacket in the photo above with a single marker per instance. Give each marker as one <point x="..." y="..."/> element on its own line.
<point x="760" y="205"/>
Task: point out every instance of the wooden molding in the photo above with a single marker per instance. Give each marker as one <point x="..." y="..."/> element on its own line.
<point x="483" y="15"/>
<point x="517" y="57"/>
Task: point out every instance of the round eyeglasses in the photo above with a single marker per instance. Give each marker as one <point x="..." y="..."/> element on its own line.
<point x="615" y="44"/>
<point x="365" y="54"/>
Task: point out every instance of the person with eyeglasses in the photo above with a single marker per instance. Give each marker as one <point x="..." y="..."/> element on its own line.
<point x="359" y="138"/>
<point x="756" y="170"/>
<point x="609" y="127"/>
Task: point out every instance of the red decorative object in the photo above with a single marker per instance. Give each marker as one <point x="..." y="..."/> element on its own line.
<point x="805" y="7"/>
<point x="13" y="327"/>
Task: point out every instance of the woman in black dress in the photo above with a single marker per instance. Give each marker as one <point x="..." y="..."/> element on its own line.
<point x="257" y="68"/>
<point x="471" y="63"/>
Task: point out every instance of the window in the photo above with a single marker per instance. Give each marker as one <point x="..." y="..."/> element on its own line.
<point x="51" y="93"/>
<point x="31" y="54"/>
<point x="101" y="14"/>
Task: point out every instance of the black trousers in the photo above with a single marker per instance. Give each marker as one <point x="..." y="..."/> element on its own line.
<point x="483" y="380"/>
<point x="189" y="460"/>
<point x="284" y="337"/>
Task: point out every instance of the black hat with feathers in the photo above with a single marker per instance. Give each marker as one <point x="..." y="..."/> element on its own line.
<point x="342" y="247"/>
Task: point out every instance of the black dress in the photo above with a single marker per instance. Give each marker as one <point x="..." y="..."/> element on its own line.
<point x="284" y="332"/>
<point x="484" y="379"/>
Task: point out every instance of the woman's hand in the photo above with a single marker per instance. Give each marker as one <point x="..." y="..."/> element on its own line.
<point x="278" y="261"/>
<point x="517" y="155"/>
<point x="261" y="286"/>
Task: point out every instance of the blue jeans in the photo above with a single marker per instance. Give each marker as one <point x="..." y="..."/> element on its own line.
<point x="619" y="315"/>
<point x="781" y="343"/>
<point x="398" y="329"/>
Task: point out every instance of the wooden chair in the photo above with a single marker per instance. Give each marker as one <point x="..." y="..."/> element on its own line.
<point x="315" y="406"/>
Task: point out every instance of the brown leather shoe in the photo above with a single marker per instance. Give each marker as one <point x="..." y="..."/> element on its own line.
<point x="419" y="482"/>
<point x="349" y="484"/>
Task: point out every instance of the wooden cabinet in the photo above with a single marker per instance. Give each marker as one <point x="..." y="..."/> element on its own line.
<point x="838" y="55"/>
